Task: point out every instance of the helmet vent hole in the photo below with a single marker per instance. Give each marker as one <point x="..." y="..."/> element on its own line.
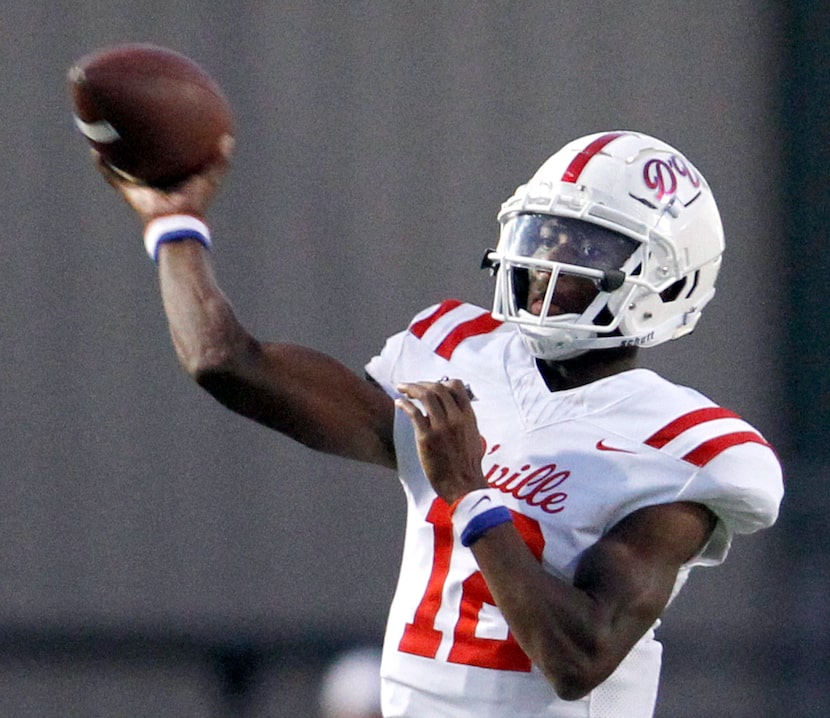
<point x="694" y="285"/>
<point x="643" y="200"/>
<point x="673" y="292"/>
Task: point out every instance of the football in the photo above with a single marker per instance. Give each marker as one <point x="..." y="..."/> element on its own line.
<point x="153" y="114"/>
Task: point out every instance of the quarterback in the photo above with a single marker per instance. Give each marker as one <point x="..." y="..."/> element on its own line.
<point x="558" y="493"/>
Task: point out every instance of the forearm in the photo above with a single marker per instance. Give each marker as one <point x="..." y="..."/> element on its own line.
<point x="204" y="330"/>
<point x="563" y="629"/>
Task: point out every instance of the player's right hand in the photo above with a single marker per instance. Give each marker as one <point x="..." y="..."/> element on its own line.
<point x="192" y="196"/>
<point x="446" y="434"/>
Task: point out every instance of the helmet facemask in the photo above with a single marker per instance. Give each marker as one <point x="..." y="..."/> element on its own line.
<point x="555" y="277"/>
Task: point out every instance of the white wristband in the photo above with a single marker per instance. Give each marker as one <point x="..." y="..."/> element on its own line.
<point x="173" y="228"/>
<point x="474" y="514"/>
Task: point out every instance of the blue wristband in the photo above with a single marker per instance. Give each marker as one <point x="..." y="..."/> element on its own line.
<point x="173" y="228"/>
<point x="481" y="524"/>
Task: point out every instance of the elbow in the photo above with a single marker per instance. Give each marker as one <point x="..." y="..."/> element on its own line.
<point x="207" y="370"/>
<point x="203" y="362"/>
<point x="575" y="677"/>
<point x="206" y="362"/>
<point x="573" y="689"/>
<point x="573" y="684"/>
<point x="219" y="374"/>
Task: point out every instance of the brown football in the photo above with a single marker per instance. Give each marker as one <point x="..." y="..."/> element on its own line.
<point x="152" y="113"/>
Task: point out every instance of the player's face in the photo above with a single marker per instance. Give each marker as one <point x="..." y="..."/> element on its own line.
<point x="568" y="242"/>
<point x="572" y="295"/>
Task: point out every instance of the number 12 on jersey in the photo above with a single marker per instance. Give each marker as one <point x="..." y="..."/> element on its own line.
<point x="421" y="638"/>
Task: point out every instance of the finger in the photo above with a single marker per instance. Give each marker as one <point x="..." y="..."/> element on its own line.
<point x="416" y="416"/>
<point x="453" y="394"/>
<point x="109" y="174"/>
<point x="214" y="173"/>
<point x="433" y="396"/>
<point x="226" y="145"/>
<point x="460" y="392"/>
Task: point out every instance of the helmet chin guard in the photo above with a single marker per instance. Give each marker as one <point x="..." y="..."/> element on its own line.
<point x="555" y="343"/>
<point x="624" y="212"/>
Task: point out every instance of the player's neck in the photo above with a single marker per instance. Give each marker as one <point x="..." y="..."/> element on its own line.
<point x="586" y="368"/>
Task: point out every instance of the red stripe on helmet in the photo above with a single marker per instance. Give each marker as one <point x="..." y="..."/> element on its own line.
<point x="583" y="158"/>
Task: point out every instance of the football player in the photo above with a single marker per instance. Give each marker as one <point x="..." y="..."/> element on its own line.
<point x="558" y="494"/>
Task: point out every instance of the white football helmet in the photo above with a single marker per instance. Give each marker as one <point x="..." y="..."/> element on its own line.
<point x="654" y="201"/>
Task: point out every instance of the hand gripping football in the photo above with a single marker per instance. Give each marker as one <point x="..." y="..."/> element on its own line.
<point x="153" y="114"/>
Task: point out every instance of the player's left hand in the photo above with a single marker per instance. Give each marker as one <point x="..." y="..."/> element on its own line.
<point x="446" y="432"/>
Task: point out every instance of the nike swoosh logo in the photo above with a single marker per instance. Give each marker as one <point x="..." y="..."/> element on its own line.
<point x="602" y="446"/>
<point x="483" y="498"/>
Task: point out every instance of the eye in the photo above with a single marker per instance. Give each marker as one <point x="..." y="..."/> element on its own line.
<point x="588" y="250"/>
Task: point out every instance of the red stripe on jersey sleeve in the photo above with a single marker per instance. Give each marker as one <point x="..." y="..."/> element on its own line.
<point x="578" y="163"/>
<point x="419" y="328"/>
<point x="671" y="431"/>
<point x="708" y="450"/>
<point x="474" y="327"/>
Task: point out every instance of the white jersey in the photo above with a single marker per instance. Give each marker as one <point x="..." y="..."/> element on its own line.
<point x="571" y="464"/>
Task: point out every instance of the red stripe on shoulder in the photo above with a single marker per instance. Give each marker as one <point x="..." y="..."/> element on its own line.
<point x="420" y="328"/>
<point x="483" y="324"/>
<point x="708" y="450"/>
<point x="672" y="430"/>
<point x="578" y="163"/>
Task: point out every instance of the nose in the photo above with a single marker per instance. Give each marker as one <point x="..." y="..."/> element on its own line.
<point x="540" y="274"/>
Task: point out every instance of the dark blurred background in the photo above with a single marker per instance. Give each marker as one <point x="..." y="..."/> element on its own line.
<point x="160" y="556"/>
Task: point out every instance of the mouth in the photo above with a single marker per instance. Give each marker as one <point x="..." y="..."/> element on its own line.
<point x="535" y="307"/>
<point x="572" y="295"/>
